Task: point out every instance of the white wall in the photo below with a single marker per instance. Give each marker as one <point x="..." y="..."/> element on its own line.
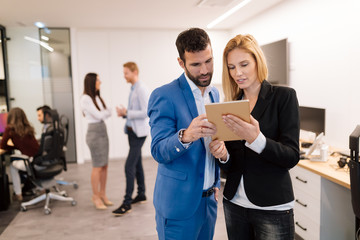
<point x="324" y="49"/>
<point x="104" y="51"/>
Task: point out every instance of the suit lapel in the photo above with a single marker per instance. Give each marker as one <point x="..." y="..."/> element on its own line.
<point x="190" y="100"/>
<point x="263" y="100"/>
<point x="188" y="95"/>
<point x="133" y="95"/>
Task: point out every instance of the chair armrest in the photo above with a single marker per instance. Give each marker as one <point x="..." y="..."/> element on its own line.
<point x="15" y="157"/>
<point x="27" y="162"/>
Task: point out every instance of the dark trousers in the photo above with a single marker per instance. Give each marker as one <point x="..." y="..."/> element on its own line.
<point x="133" y="167"/>
<point x="249" y="224"/>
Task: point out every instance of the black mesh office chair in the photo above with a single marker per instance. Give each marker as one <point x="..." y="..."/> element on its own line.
<point x="354" y="166"/>
<point x="64" y="123"/>
<point x="49" y="163"/>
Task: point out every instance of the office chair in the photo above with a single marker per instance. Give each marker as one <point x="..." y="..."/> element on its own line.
<point x="49" y="163"/>
<point x="354" y="166"/>
<point x="64" y="123"/>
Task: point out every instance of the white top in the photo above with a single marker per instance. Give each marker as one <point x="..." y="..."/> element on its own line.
<point x="92" y="114"/>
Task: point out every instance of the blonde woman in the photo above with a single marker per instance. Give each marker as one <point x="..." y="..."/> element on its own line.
<point x="258" y="195"/>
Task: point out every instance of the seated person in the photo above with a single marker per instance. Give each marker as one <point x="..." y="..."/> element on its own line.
<point x="18" y="135"/>
<point x="46" y="120"/>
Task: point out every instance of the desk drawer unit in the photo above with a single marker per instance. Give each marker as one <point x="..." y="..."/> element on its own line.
<point x="307" y="191"/>
<point x="306" y="227"/>
<point x="307" y="205"/>
<point x="306" y="181"/>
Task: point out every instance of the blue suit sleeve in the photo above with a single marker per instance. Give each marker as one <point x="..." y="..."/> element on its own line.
<point x="165" y="146"/>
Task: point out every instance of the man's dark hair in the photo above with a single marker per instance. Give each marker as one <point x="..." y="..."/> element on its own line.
<point x="43" y="108"/>
<point x="192" y="40"/>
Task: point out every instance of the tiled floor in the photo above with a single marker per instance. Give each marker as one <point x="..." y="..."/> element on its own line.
<point x="83" y="221"/>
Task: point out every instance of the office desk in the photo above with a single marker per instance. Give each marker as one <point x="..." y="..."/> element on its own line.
<point x="329" y="170"/>
<point x="4" y="183"/>
<point x="323" y="208"/>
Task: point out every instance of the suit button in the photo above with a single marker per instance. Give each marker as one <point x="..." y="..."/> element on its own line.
<point x="177" y="149"/>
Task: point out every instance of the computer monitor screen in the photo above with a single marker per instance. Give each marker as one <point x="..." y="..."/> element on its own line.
<point x="312" y="119"/>
<point x="3" y="121"/>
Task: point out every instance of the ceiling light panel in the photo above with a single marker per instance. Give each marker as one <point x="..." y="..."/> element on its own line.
<point x="213" y="3"/>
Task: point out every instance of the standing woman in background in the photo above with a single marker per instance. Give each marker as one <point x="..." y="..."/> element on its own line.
<point x="18" y="135"/>
<point x="95" y="112"/>
<point x="258" y="195"/>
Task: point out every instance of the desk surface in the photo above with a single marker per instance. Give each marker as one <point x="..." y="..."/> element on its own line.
<point x="329" y="170"/>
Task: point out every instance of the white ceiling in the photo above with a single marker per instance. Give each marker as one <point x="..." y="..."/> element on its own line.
<point x="140" y="14"/>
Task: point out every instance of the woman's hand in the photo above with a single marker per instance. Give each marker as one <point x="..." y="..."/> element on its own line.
<point x="245" y="130"/>
<point x="218" y="149"/>
<point x="10" y="143"/>
<point x="216" y="194"/>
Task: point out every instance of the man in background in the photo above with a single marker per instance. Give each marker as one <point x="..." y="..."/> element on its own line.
<point x="137" y="128"/>
<point x="45" y="120"/>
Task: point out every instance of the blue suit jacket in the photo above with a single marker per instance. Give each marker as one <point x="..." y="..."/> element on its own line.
<point x="180" y="176"/>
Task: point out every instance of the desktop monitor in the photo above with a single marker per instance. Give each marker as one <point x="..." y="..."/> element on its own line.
<point x="276" y="54"/>
<point x="312" y="119"/>
<point x="3" y="121"/>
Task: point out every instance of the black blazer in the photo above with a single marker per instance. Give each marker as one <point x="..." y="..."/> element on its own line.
<point x="266" y="177"/>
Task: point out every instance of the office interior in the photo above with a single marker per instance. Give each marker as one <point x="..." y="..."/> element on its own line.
<point x="323" y="55"/>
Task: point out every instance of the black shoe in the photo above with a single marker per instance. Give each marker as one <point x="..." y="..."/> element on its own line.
<point x="139" y="199"/>
<point x="124" y="208"/>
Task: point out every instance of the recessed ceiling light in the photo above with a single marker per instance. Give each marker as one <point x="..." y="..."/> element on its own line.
<point x="39" y="24"/>
<point x="227" y="14"/>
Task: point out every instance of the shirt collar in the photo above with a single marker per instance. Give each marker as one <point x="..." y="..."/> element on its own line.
<point x="134" y="85"/>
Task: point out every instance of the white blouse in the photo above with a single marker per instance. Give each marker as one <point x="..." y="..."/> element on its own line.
<point x="92" y="114"/>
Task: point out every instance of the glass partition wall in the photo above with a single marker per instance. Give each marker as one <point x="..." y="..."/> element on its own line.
<point x="4" y="101"/>
<point x="57" y="79"/>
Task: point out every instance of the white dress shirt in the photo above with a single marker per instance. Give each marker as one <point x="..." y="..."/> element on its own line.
<point x="201" y="100"/>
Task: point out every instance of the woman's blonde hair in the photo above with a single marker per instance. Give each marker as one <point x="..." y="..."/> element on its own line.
<point x="249" y="44"/>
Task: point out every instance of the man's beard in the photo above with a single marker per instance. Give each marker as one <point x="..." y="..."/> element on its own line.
<point x="196" y="79"/>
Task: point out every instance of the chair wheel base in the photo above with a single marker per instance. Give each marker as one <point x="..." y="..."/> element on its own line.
<point x="47" y="211"/>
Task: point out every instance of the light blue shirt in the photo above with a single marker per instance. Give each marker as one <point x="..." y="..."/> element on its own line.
<point x="128" y="121"/>
<point x="209" y="174"/>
